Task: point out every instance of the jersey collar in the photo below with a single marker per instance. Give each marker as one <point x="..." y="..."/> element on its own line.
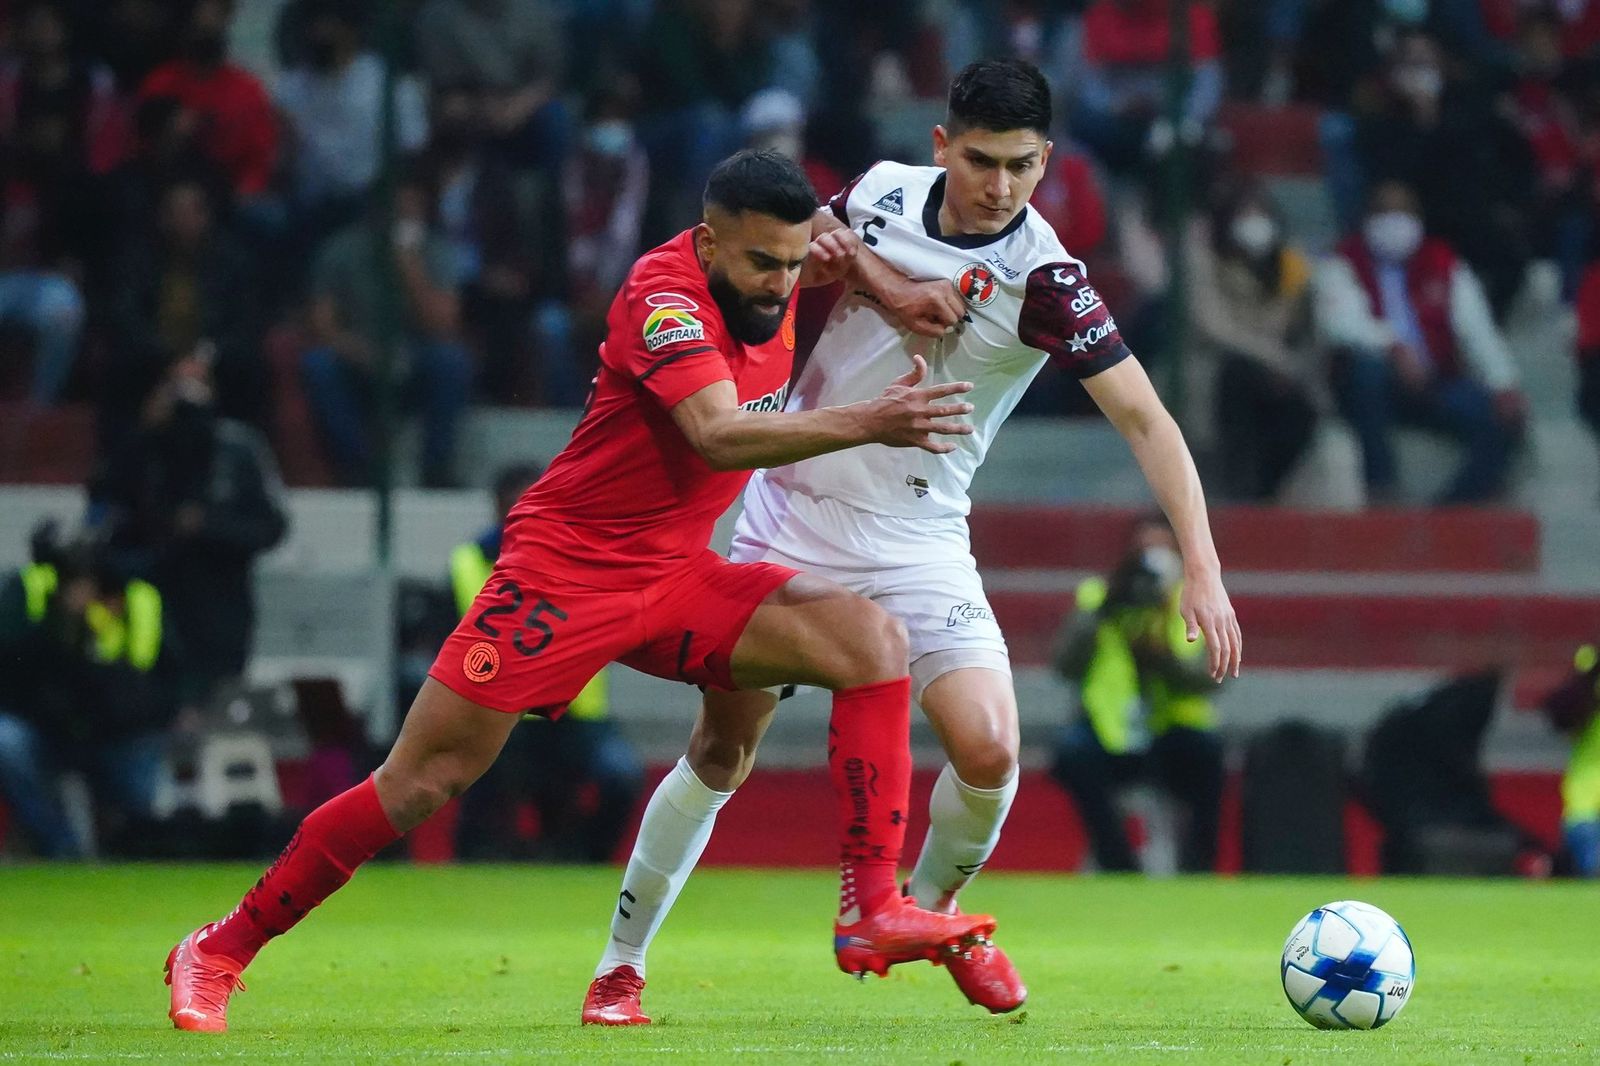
<point x="930" y="222"/>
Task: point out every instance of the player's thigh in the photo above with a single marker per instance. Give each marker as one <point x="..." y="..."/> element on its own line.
<point x="812" y="631"/>
<point x="973" y="710"/>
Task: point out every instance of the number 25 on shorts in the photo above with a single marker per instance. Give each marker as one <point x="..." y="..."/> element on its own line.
<point x="535" y="621"/>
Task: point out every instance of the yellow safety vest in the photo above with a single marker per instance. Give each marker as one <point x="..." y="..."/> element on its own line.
<point x="469" y="572"/>
<point x="1110" y="691"/>
<point x="1580" y="785"/>
<point x="134" y="635"/>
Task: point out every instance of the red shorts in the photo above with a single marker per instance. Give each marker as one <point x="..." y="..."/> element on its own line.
<point x="530" y="643"/>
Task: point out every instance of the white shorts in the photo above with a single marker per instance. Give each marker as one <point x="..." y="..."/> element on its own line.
<point x="919" y="570"/>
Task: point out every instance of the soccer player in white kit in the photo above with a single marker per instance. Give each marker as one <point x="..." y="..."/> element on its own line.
<point x="995" y="296"/>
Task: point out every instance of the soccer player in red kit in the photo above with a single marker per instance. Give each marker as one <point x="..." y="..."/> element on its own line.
<point x="606" y="559"/>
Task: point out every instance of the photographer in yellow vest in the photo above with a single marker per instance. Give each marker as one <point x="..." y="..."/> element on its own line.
<point x="1574" y="710"/>
<point x="1144" y="700"/>
<point x="86" y="684"/>
<point x="578" y="771"/>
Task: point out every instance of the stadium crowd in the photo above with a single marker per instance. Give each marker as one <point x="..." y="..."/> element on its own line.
<point x="199" y="177"/>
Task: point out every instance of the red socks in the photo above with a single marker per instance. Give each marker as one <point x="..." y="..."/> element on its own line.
<point x="869" y="758"/>
<point x="330" y="844"/>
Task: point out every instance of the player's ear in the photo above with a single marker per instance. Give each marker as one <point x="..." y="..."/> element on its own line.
<point x="1044" y="157"/>
<point x="705" y="243"/>
<point x="941" y="144"/>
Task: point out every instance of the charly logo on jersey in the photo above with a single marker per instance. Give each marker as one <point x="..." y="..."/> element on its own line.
<point x="892" y="203"/>
<point x="968" y="613"/>
<point x="1081" y="342"/>
<point x="671" y="321"/>
<point x="1064" y="277"/>
<point x="918" y="485"/>
<point x="977" y="284"/>
<point x="772" y="401"/>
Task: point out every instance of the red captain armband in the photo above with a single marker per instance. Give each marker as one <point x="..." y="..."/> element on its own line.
<point x="1063" y="315"/>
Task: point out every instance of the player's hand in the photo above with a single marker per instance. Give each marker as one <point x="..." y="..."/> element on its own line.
<point x="927" y="308"/>
<point x="1205" y="609"/>
<point x="830" y="257"/>
<point x="906" y="416"/>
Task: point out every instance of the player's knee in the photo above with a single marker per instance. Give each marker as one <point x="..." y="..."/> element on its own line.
<point x="721" y="763"/>
<point x="986" y="763"/>
<point x="413" y="794"/>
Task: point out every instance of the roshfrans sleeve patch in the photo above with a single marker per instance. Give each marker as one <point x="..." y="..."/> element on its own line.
<point x="671" y="320"/>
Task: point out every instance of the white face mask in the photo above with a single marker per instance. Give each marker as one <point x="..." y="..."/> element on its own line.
<point x="1393" y="235"/>
<point x="1254" y="233"/>
<point x="1164" y="563"/>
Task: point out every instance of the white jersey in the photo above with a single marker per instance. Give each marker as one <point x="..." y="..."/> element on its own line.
<point x="1027" y="300"/>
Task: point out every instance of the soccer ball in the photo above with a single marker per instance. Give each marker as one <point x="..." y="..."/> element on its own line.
<point x="1348" y="965"/>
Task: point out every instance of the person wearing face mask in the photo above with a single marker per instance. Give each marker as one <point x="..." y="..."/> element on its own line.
<point x="1249" y="305"/>
<point x="1417" y="345"/>
<point x="1143" y="694"/>
<point x="332" y="101"/>
<point x="190" y="502"/>
<point x="239" y="132"/>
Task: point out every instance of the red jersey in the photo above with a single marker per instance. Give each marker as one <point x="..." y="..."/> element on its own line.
<point x="628" y="501"/>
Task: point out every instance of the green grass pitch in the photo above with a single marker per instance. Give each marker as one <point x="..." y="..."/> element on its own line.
<point x="489" y="964"/>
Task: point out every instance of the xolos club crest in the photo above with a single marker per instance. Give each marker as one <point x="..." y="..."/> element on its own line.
<point x="977" y="284"/>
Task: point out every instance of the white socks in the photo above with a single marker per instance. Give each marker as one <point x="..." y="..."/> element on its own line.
<point x="963" y="828"/>
<point x="677" y="824"/>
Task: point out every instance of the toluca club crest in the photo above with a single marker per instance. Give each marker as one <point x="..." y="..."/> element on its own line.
<point x="977" y="284"/>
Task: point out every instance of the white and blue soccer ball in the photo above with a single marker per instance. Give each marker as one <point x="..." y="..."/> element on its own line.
<point x="1348" y="965"/>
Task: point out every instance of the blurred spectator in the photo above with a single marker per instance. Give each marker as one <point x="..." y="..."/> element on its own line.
<point x="51" y="109"/>
<point x="1071" y="198"/>
<point x="332" y="103"/>
<point x="1440" y="135"/>
<point x="495" y="254"/>
<point x="187" y="291"/>
<point x="1589" y="348"/>
<point x="48" y="75"/>
<point x="511" y="50"/>
<point x="776" y="119"/>
<point x="1416" y="343"/>
<point x="1250" y="306"/>
<point x="1143" y="697"/>
<point x="701" y="60"/>
<point x="134" y="37"/>
<point x="236" y="126"/>
<point x="579" y="771"/>
<point x="191" y="501"/>
<point x="1577" y="21"/>
<point x="350" y="298"/>
<point x="88" y="687"/>
<point x="1573" y="708"/>
<point x="1121" y="107"/>
<point x="1562" y="159"/>
<point x="606" y="185"/>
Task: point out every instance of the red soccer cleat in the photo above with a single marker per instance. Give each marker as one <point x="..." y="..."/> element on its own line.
<point x="987" y="978"/>
<point x="900" y="931"/>
<point x="613" y="999"/>
<point x="201" y="984"/>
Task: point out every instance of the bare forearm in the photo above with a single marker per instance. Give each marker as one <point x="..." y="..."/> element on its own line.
<point x="1159" y="447"/>
<point x="750" y="440"/>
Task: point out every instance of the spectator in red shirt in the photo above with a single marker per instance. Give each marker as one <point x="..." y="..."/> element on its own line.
<point x="1122" y="96"/>
<point x="239" y="132"/>
<point x="1070" y="198"/>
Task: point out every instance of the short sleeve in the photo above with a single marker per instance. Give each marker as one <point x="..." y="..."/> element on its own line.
<point x="673" y="348"/>
<point x="1063" y="315"/>
<point x="840" y="203"/>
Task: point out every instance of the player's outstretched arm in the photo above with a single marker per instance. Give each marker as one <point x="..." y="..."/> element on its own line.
<point x="928" y="308"/>
<point x="1128" y="399"/>
<point x="905" y="415"/>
